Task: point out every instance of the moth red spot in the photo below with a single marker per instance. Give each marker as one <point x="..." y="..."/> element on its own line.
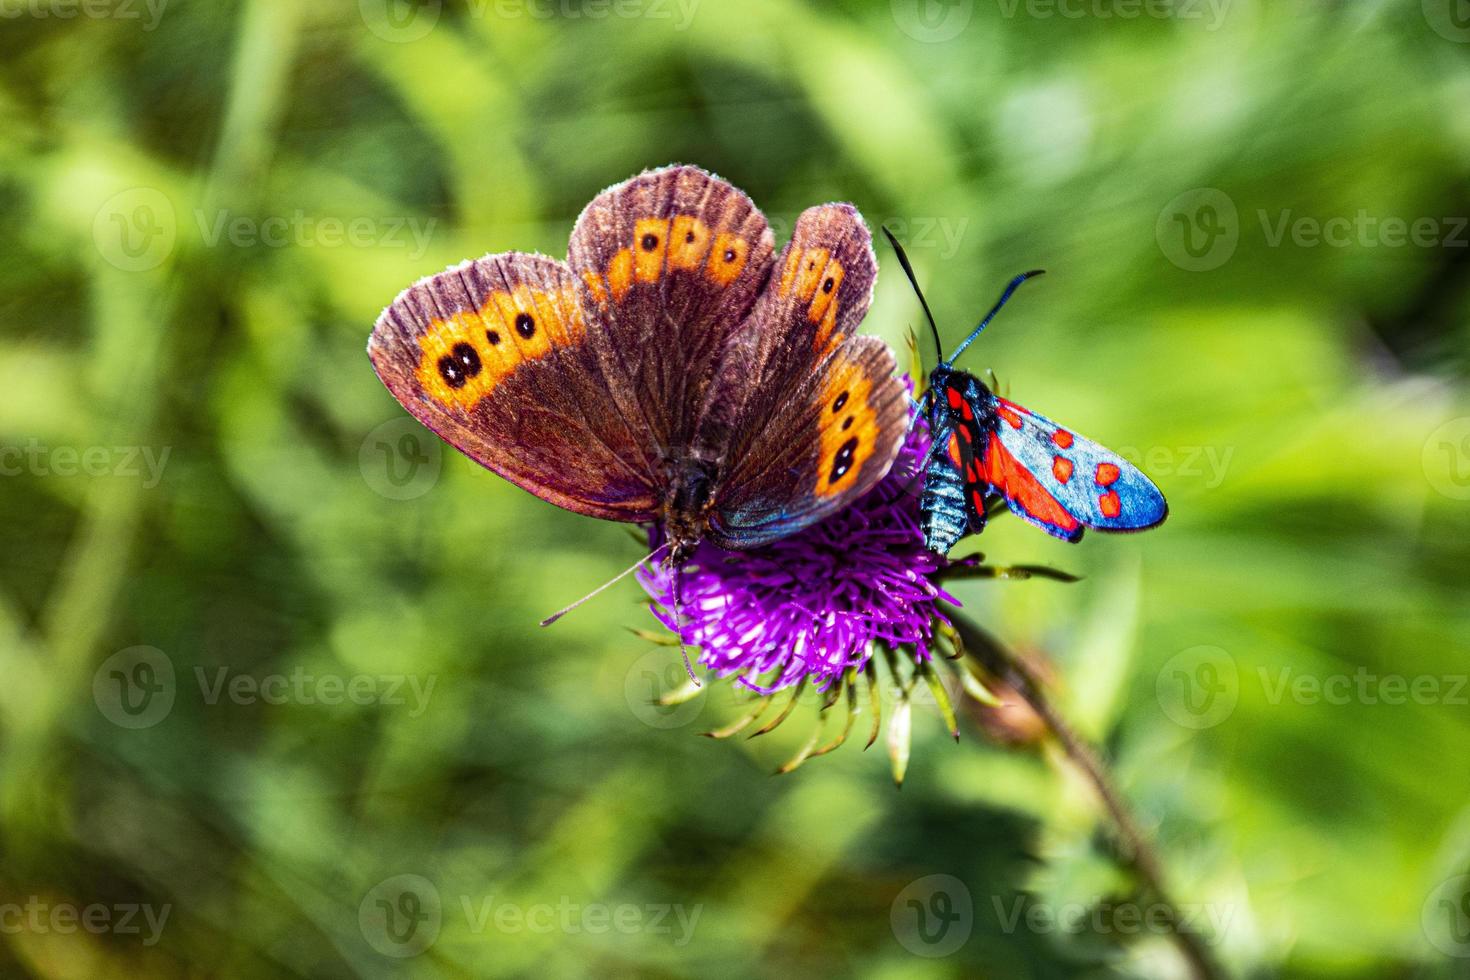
<point x="965" y="434"/>
<point x="955" y="398"/>
<point x="978" y="499"/>
<point x="1062" y="438"/>
<point x="1107" y="474"/>
<point x="968" y="413"/>
<point x="954" y="449"/>
<point x="1006" y="473"/>
<point x="973" y="473"/>
<point x="1061" y="468"/>
<point x="1110" y="504"/>
<point x="1004" y="411"/>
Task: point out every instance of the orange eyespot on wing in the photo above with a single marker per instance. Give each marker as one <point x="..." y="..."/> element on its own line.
<point x="495" y="355"/>
<point x="848" y="429"/>
<point x="827" y="444"/>
<point x="466" y="354"/>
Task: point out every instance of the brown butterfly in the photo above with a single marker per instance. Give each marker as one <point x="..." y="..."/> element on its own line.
<point x="672" y="371"/>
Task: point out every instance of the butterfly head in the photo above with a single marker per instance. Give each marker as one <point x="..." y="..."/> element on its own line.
<point x="687" y="511"/>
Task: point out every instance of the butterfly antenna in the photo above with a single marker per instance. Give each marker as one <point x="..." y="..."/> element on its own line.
<point x="606" y="585"/>
<point x="1011" y="288"/>
<point x="679" y="623"/>
<point x="908" y="270"/>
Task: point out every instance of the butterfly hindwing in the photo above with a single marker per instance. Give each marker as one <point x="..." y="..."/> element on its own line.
<point x="830" y="442"/>
<point x="492" y="355"/>
<point x="1063" y="482"/>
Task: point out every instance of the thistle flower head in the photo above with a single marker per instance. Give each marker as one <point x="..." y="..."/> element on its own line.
<point x="812" y="605"/>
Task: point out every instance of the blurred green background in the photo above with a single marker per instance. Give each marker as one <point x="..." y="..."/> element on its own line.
<point x="266" y="648"/>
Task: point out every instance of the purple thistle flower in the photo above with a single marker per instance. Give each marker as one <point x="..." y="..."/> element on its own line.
<point x="812" y="605"/>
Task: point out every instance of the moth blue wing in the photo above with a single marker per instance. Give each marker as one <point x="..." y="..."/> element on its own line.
<point x="1031" y="458"/>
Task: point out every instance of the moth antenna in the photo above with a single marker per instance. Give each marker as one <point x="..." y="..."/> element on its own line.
<point x="1010" y="288"/>
<point x="606" y="585"/>
<point x="679" y="623"/>
<point x="908" y="270"/>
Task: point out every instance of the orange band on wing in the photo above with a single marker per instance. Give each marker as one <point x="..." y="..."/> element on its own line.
<point x="466" y="355"/>
<point x="848" y="429"/>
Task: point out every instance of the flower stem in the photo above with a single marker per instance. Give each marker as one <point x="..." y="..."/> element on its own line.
<point x="1138" y="854"/>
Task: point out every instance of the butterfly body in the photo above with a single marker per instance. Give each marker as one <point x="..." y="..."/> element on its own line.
<point x="673" y="371"/>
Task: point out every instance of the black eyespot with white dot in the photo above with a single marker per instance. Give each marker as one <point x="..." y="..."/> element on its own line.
<point x="828" y="284"/>
<point x="525" y="325"/>
<point x="460" y="365"/>
<point x="729" y="255"/>
<point x="842" y="462"/>
<point x="837" y="405"/>
<point x="650" y="242"/>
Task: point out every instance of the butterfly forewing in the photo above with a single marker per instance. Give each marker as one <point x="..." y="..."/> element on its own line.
<point x="492" y="355"/>
<point x="670" y="263"/>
